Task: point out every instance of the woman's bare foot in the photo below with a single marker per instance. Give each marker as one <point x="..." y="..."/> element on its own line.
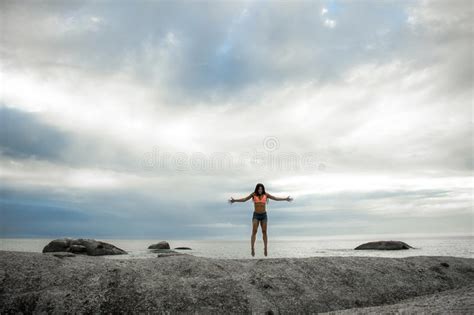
<point x="265" y="251"/>
<point x="253" y="251"/>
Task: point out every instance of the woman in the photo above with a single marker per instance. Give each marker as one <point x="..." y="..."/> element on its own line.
<point x="260" y="199"/>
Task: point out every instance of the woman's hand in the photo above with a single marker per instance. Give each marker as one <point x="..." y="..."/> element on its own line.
<point x="289" y="199"/>
<point x="231" y="200"/>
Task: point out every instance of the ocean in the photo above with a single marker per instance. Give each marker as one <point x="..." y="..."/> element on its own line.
<point x="458" y="246"/>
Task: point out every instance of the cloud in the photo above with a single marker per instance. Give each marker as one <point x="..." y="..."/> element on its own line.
<point x="194" y="69"/>
<point x="23" y="135"/>
<point x="329" y="23"/>
<point x="382" y="99"/>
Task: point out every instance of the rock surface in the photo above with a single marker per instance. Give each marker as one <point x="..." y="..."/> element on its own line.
<point x="62" y="254"/>
<point x="35" y="282"/>
<point x="160" y="245"/>
<point x="82" y="246"/>
<point x="170" y="253"/>
<point x="384" y="245"/>
<point x="454" y="301"/>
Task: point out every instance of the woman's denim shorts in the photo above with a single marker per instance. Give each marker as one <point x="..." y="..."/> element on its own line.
<point x="260" y="216"/>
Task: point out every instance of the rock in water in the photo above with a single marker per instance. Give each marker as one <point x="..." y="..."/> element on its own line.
<point x="89" y="247"/>
<point x="58" y="245"/>
<point x="78" y="249"/>
<point x="160" y="245"/>
<point x="183" y="248"/>
<point x="384" y="245"/>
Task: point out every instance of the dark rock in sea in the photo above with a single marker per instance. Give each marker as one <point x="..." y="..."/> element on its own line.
<point x="384" y="245"/>
<point x="58" y="245"/>
<point x="183" y="248"/>
<point x="78" y="249"/>
<point x="89" y="247"/>
<point x="160" y="245"/>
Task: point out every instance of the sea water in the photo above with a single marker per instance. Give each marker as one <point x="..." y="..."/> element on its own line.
<point x="458" y="246"/>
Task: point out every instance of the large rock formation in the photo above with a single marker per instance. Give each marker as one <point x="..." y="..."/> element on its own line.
<point x="40" y="283"/>
<point x="160" y="245"/>
<point x="453" y="301"/>
<point x="384" y="245"/>
<point x="170" y="253"/>
<point x="82" y="246"/>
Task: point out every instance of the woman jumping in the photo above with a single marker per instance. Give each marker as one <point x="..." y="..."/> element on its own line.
<point x="260" y="214"/>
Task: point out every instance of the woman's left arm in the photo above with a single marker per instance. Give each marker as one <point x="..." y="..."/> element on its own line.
<point x="278" y="198"/>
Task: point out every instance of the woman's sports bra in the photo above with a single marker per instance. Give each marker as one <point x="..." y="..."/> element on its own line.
<point x="256" y="199"/>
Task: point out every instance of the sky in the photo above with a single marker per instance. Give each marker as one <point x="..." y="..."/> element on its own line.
<point x="140" y="119"/>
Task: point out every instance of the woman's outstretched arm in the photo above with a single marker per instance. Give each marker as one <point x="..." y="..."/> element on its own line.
<point x="232" y="200"/>
<point x="279" y="199"/>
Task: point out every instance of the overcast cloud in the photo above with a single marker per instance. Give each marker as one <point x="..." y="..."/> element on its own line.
<point x="140" y="119"/>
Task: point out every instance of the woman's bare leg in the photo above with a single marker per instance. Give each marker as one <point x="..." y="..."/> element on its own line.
<point x="254" y="235"/>
<point x="263" y="225"/>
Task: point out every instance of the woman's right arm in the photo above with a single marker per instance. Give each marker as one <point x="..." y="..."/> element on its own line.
<point x="232" y="200"/>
